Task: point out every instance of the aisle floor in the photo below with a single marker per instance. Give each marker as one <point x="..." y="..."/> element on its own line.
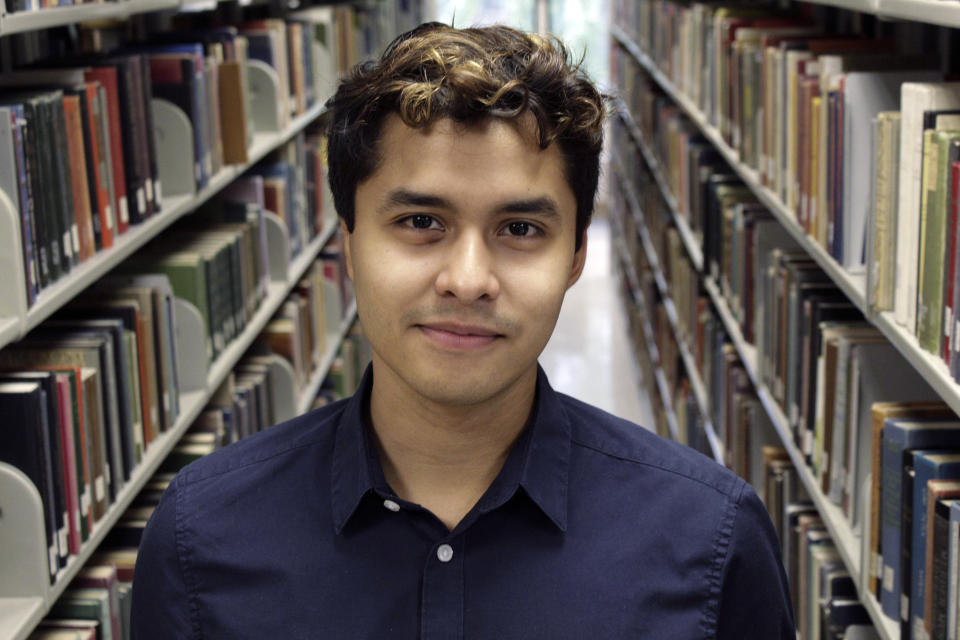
<point x="590" y="356"/>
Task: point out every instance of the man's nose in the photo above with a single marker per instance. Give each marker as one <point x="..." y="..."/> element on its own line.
<point x="468" y="273"/>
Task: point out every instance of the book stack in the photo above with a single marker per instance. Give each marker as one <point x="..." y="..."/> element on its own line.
<point x="87" y="393"/>
<point x="824" y="593"/>
<point x="218" y="265"/>
<point x="308" y="324"/>
<point x="73" y="204"/>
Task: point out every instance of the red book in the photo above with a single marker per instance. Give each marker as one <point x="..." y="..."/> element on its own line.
<point x="78" y="176"/>
<point x="70" y="471"/>
<point x="107" y="77"/>
<point x="949" y="336"/>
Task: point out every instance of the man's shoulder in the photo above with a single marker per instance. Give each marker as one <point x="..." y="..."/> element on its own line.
<point x="269" y="448"/>
<point x="619" y="440"/>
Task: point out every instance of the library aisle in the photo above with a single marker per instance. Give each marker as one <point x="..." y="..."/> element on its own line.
<point x="590" y="356"/>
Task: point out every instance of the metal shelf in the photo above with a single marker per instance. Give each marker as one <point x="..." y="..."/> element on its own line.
<point x="932" y="368"/>
<point x="22" y="21"/>
<point x="661" y="380"/>
<point x="686" y="355"/>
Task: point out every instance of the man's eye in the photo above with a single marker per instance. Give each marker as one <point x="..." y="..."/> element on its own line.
<point x="522" y="229"/>
<point x="422" y="222"/>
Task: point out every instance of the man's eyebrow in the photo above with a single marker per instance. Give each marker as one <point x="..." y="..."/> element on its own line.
<point x="407" y="198"/>
<point x="542" y="206"/>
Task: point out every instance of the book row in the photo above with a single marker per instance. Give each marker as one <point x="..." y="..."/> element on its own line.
<point x="824" y="593"/>
<point x="828" y="372"/>
<point x="98" y="107"/>
<point x="94" y="386"/>
<point x="825" y="599"/>
<point x="800" y="105"/>
<point x="96" y="604"/>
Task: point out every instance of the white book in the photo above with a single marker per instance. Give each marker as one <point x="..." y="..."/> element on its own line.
<point x="865" y="94"/>
<point x="915" y="99"/>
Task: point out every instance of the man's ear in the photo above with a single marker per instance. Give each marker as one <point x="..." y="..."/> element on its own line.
<point x="579" y="259"/>
<point x="347" y="250"/>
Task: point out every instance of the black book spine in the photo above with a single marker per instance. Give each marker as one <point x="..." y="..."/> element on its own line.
<point x="131" y="145"/>
<point x="40" y="227"/>
<point x="61" y="168"/>
<point x="906" y="546"/>
<point x="151" y="170"/>
<point x="44" y="138"/>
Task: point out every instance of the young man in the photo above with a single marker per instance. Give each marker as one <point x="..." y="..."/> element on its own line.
<point x="456" y="495"/>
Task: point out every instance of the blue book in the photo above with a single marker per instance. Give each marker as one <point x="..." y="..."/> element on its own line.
<point x="953" y="563"/>
<point x="900" y="436"/>
<point x="928" y="465"/>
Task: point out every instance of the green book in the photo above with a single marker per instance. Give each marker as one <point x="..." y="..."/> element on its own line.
<point x="85" y="604"/>
<point x="933" y="222"/>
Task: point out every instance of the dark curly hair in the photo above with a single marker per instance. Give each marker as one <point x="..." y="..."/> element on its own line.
<point x="436" y="71"/>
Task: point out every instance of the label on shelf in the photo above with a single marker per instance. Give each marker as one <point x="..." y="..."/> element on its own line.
<point x="68" y="244"/>
<point x="887" y="578"/>
<point x="62" y="538"/>
<point x="85" y="500"/>
<point x="54" y="565"/>
<point x="110" y="224"/>
<point x="158" y="190"/>
<point x="98" y="489"/>
<point x="148" y="184"/>
<point x="124" y="211"/>
<point x="141" y="201"/>
<point x="75" y="238"/>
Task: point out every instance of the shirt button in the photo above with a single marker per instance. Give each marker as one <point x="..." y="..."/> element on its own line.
<point x="391" y="505"/>
<point x="445" y="553"/>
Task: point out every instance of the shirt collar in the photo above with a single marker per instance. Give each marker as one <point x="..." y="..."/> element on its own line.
<point x="538" y="462"/>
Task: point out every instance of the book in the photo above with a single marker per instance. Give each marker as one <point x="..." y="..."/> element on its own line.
<point x="880" y="412"/>
<point x="900" y="437"/>
<point x="928" y="465"/>
<point x="933" y="230"/>
<point x="915" y="99"/>
<point x="28" y="449"/>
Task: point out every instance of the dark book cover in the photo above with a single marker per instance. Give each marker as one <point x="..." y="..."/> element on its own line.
<point x="62" y="178"/>
<point x="48" y="383"/>
<point x="27" y="447"/>
<point x="37" y="168"/>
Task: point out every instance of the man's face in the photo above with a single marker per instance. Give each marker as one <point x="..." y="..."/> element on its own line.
<point x="462" y="250"/>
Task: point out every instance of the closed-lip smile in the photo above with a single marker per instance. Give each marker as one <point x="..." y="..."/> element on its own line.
<point x="452" y="335"/>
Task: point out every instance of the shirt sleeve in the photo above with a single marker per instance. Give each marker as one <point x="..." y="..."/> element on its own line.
<point x="161" y="606"/>
<point x="755" y="596"/>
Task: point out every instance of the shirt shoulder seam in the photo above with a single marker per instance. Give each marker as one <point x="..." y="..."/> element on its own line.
<point x="183" y="550"/>
<point x="722" y="546"/>
<point x="653" y="465"/>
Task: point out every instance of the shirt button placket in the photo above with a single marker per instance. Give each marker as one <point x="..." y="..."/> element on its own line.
<point x="441" y="614"/>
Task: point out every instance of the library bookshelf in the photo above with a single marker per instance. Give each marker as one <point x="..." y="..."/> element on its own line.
<point x="850" y="544"/>
<point x="26" y="592"/>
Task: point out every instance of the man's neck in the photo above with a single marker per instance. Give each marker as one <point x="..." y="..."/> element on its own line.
<point x="444" y="457"/>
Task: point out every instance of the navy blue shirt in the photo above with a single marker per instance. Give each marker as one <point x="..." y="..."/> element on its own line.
<point x="594" y="528"/>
